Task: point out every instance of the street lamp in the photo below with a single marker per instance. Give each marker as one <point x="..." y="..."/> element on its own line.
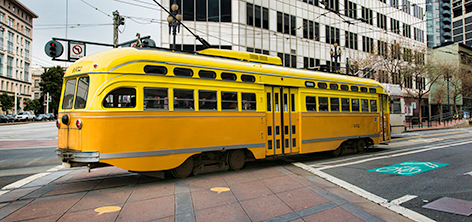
<point x="173" y="23"/>
<point x="335" y="54"/>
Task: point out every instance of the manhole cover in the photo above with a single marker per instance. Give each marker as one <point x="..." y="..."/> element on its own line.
<point x="451" y="205"/>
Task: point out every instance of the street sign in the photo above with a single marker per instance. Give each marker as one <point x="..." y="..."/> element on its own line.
<point x="76" y="50"/>
<point x="409" y="168"/>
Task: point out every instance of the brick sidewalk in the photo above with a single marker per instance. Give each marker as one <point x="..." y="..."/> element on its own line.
<point x="276" y="191"/>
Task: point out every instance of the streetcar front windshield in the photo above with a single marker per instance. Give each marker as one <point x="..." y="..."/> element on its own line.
<point x="76" y="91"/>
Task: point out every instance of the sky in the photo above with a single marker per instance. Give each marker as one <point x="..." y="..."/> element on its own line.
<point x="91" y="21"/>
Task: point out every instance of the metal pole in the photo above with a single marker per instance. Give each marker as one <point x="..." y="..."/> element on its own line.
<point x="116" y="16"/>
<point x="16" y="102"/>
<point x="47" y="103"/>
<point x="448" y="103"/>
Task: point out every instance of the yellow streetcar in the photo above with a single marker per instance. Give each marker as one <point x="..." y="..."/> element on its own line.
<point x="155" y="110"/>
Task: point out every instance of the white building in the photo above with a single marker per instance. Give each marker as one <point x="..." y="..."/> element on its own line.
<point x="301" y="32"/>
<point x="16" y="40"/>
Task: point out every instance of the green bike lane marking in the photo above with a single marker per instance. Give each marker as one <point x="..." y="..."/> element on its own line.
<point x="409" y="168"/>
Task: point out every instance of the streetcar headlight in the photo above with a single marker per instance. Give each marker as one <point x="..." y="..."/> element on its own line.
<point x="79" y="124"/>
<point x="65" y="119"/>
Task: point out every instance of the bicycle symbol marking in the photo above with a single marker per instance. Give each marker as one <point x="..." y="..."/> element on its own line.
<point x="409" y="168"/>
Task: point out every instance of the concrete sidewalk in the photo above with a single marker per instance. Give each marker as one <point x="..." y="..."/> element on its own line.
<point x="263" y="191"/>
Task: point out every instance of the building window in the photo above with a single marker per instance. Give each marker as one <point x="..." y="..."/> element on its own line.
<point x="10" y="42"/>
<point x="367" y="15"/>
<point x="196" y="10"/>
<point x="257" y="16"/>
<point x="332" y="35"/>
<point x="9" y="66"/>
<point x="1" y="39"/>
<point x="1" y="64"/>
<point x="11" y="22"/>
<point x="26" y="72"/>
<point x="2" y="17"/>
<point x="350" y="9"/>
<point x="351" y="40"/>
<point x="286" y="23"/>
<point x="288" y="60"/>
<point x="367" y="44"/>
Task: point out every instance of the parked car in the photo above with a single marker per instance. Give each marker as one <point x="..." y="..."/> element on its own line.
<point x="4" y="119"/>
<point x="12" y="118"/>
<point x="41" y="117"/>
<point x="25" y="116"/>
<point x="51" y="116"/>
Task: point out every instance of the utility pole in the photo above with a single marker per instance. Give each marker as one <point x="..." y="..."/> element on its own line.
<point x="47" y="103"/>
<point x="16" y="98"/>
<point x="117" y="21"/>
<point x="116" y="17"/>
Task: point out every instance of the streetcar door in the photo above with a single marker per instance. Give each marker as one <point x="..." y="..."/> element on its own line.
<point x="384" y="119"/>
<point x="281" y="126"/>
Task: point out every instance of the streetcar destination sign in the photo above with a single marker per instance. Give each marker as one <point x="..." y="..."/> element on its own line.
<point x="409" y="168"/>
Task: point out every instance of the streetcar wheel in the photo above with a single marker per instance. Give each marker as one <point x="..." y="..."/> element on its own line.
<point x="337" y="152"/>
<point x="184" y="170"/>
<point x="360" y="146"/>
<point x="236" y="159"/>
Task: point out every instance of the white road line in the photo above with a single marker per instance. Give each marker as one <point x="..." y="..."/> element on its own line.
<point x="3" y="192"/>
<point x="427" y="148"/>
<point x="29" y="179"/>
<point x="24" y="148"/>
<point x="403" y="199"/>
<point x="25" y="181"/>
<point x="363" y="193"/>
<point x="469" y="173"/>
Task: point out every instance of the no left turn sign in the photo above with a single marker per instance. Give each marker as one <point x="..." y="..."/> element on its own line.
<point x="76" y="50"/>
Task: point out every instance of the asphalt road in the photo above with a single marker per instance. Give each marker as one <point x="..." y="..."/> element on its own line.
<point x="26" y="149"/>
<point x="432" y="148"/>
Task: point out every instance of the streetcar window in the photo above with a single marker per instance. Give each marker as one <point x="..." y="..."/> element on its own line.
<point x="354" y="88"/>
<point x="334" y="104"/>
<point x="373" y="106"/>
<point x="322" y="85"/>
<point x="344" y="87"/>
<point x="69" y="91"/>
<point x="310" y="84"/>
<point x="155" y="98"/>
<point x="269" y="102"/>
<point x="204" y="74"/>
<point x="183" y="99"/>
<point x="363" y="89"/>
<point x="372" y="90"/>
<point x="365" y="105"/>
<point x="355" y="105"/>
<point x="293" y="102"/>
<point x="345" y="105"/>
<point x="207" y="100"/>
<point x="229" y="100"/>
<point x="248" y="78"/>
<point x="311" y="103"/>
<point x="228" y="76"/>
<point x="285" y="102"/>
<point x="323" y="103"/>
<point x="249" y="101"/>
<point x="159" y="70"/>
<point x="120" y="98"/>
<point x="333" y="86"/>
<point x="183" y="72"/>
<point x="82" y="92"/>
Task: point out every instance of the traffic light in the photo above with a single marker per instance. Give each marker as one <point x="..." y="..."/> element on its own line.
<point x="121" y="21"/>
<point x="53" y="49"/>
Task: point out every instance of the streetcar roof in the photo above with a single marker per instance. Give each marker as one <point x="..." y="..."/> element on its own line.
<point x="110" y="61"/>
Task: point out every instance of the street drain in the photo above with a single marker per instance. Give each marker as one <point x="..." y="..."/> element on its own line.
<point x="451" y="205"/>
